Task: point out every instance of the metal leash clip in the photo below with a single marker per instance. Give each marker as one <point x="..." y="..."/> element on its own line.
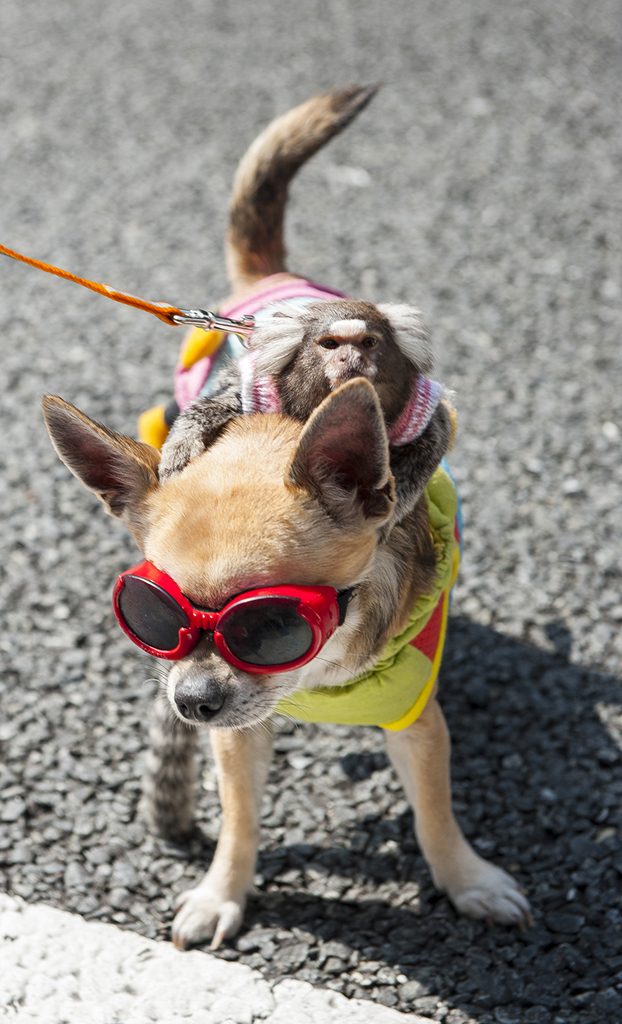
<point x="212" y="322"/>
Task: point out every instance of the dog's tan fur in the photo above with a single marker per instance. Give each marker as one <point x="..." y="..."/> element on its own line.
<point x="207" y="508"/>
<point x="273" y="501"/>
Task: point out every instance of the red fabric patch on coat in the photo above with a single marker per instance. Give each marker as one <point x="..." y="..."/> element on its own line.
<point x="427" y="640"/>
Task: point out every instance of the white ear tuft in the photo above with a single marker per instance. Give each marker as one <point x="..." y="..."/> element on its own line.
<point x="411" y="333"/>
<point x="277" y="340"/>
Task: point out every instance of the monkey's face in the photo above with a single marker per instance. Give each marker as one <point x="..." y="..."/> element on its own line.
<point x="350" y="349"/>
<point x="362" y="344"/>
<point x="316" y="348"/>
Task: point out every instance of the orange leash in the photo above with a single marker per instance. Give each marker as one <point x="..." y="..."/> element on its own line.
<point x="160" y="309"/>
<point x="169" y="314"/>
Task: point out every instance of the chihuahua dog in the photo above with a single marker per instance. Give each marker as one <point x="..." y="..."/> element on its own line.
<point x="274" y="540"/>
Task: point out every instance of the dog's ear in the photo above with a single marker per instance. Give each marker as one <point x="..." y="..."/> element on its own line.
<point x="343" y="456"/>
<point x="119" y="470"/>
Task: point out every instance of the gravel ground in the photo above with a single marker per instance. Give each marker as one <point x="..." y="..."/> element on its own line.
<point x="483" y="183"/>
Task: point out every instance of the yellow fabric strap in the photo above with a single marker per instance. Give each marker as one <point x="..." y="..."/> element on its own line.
<point x="199" y="343"/>
<point x="395" y="691"/>
<point x="152" y="427"/>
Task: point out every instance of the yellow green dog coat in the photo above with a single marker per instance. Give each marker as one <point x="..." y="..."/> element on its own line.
<point x="394" y="693"/>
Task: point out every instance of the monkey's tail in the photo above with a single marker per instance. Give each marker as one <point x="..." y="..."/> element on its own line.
<point x="255" y="246"/>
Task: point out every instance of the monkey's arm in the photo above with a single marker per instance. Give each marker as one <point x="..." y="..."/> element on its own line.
<point x="413" y="464"/>
<point x="198" y="426"/>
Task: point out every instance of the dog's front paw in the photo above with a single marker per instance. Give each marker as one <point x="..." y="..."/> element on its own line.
<point x="206" y="913"/>
<point x="485" y="891"/>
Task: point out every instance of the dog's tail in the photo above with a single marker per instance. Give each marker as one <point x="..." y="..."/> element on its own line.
<point x="255" y="237"/>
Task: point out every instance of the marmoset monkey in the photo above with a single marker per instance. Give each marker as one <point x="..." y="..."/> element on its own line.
<point x="301" y="354"/>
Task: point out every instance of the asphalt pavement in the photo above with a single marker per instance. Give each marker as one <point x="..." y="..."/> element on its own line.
<point x="484" y="184"/>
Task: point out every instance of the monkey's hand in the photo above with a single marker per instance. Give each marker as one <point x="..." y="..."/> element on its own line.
<point x="198" y="426"/>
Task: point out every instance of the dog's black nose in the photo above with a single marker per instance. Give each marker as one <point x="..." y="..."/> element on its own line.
<point x="198" y="702"/>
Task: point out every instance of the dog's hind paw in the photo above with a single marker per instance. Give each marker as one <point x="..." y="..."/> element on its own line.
<point x="493" y="895"/>
<point x="202" y="914"/>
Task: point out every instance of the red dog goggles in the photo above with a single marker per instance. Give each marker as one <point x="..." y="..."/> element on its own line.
<point x="272" y="629"/>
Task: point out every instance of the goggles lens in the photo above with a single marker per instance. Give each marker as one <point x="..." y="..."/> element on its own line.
<point x="267" y="632"/>
<point x="152" y="615"/>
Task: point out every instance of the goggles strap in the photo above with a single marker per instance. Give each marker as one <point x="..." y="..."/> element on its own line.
<point x="343" y="600"/>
